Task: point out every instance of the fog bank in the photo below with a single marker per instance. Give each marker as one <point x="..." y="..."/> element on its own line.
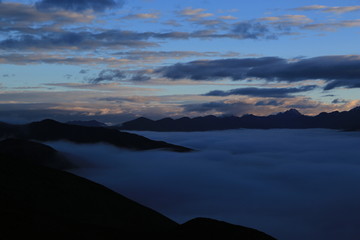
<point x="291" y="184"/>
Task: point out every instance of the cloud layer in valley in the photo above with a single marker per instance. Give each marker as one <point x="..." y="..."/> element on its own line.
<point x="292" y="184"/>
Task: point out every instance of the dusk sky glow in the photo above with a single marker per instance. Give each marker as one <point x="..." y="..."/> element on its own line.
<point x="116" y="60"/>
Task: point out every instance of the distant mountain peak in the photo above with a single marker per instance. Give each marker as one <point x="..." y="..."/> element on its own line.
<point x="90" y="123"/>
<point x="291" y="112"/>
<point x="166" y="119"/>
<point x="144" y="119"/>
<point x="355" y="109"/>
<point x="46" y="122"/>
<point x="292" y="119"/>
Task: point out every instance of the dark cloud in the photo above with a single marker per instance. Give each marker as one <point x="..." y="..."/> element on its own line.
<point x="78" y="5"/>
<point x="84" y="71"/>
<point x="237" y="108"/>
<point x="253" y="30"/>
<point x="215" y="69"/>
<point x="156" y="55"/>
<point x="269" y="103"/>
<point x="19" y="17"/>
<point x="77" y="40"/>
<point x="8" y="75"/>
<point x="140" y="77"/>
<point x="115" y="99"/>
<point x="262" y="92"/>
<point x="338" y="71"/>
<point x="86" y="40"/>
<point x="338" y="101"/>
<point x="301" y="106"/>
<point x="113" y="75"/>
<point x="66" y="58"/>
<point x="32" y="29"/>
<point x="68" y="76"/>
<point x="108" y="75"/>
<point x="347" y="83"/>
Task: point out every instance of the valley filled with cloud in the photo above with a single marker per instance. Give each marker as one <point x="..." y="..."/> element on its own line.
<point x="292" y="184"/>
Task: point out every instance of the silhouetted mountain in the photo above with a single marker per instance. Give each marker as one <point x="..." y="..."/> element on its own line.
<point x="50" y="130"/>
<point x="38" y="202"/>
<point x="347" y="120"/>
<point x="205" y="228"/>
<point x="91" y="123"/>
<point x="34" y="152"/>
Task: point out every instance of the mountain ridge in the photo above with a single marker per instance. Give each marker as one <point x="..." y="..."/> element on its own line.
<point x="292" y="118"/>
<point x="51" y="130"/>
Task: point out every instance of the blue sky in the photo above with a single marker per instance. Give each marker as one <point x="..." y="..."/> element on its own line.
<point x="116" y="60"/>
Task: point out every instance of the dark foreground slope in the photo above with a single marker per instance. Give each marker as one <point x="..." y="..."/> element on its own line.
<point x="35" y="153"/>
<point x="38" y="202"/>
<point x="347" y="120"/>
<point x="50" y="130"/>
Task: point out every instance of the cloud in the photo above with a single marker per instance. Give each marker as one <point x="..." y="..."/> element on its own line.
<point x="108" y="75"/>
<point x="173" y="23"/>
<point x="342" y="9"/>
<point x="228" y="17"/>
<point x="8" y="75"/>
<point x="84" y="40"/>
<point x="332" y="26"/>
<point x="200" y="17"/>
<point x="252" y="30"/>
<point x="194" y="14"/>
<point x="261" y="107"/>
<point x="84" y="71"/>
<point x="292" y="184"/>
<point x="269" y="103"/>
<point x="142" y="16"/>
<point x="219" y="108"/>
<point x="18" y="15"/>
<point x="78" y="5"/>
<point x="116" y="59"/>
<point x="117" y="39"/>
<point x="337" y="70"/>
<point x="286" y="23"/>
<point x="114" y="75"/>
<point x="338" y="10"/>
<point x="347" y="83"/>
<point x="310" y="8"/>
<point x="288" y="20"/>
<point x="214" y="69"/>
<point x="262" y="92"/>
<point x="238" y="30"/>
<point x="301" y="106"/>
<point x="338" y="101"/>
<point x="25" y="59"/>
<point x="64" y="30"/>
<point x="156" y="56"/>
<point x="26" y="114"/>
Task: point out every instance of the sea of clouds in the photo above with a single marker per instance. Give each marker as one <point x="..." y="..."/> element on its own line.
<point x="291" y="184"/>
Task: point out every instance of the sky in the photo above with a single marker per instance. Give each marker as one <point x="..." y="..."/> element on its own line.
<point x="114" y="60"/>
<point x="292" y="184"/>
